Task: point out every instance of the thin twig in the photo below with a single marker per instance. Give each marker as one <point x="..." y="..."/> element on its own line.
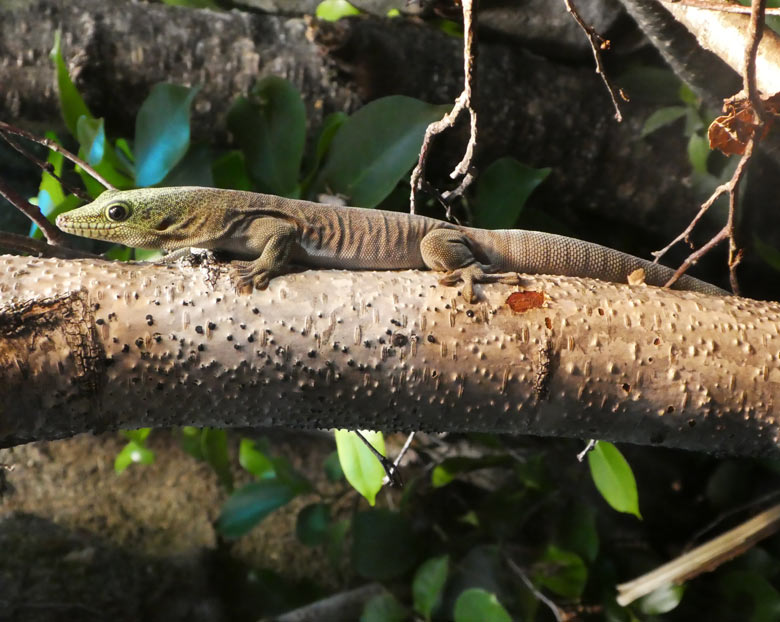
<point x="556" y="611"/>
<point x="703" y="558"/>
<point x="591" y="444"/>
<point x="463" y="102"/>
<point x="597" y="43"/>
<point x="44" y="166"/>
<point x="39" y="248"/>
<point x="756" y="30"/>
<point x="718" y="5"/>
<point x="392" y="473"/>
<point x="50" y="232"/>
<point x="10" y="129"/>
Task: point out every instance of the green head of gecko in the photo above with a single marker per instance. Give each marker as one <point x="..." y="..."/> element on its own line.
<point x="142" y="218"/>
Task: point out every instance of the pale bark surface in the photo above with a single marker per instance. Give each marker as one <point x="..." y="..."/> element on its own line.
<point x="122" y="346"/>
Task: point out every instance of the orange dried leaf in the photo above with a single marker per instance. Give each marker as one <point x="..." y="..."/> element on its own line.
<point x="520" y="302"/>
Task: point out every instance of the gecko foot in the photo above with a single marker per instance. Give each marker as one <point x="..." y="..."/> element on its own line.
<point x="248" y="276"/>
<point x="477" y="273"/>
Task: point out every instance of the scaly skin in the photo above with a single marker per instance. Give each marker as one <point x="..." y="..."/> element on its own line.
<point x="269" y="232"/>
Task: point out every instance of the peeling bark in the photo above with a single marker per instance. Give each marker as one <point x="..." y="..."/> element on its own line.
<point x="148" y="345"/>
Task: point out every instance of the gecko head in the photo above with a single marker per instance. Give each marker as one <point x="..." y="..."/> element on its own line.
<point x="143" y="218"/>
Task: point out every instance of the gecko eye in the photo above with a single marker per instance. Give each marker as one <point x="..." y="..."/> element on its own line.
<point x="117" y="212"/>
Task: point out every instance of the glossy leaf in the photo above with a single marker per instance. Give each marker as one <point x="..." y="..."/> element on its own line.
<point x="578" y="531"/>
<point x="92" y="137"/>
<point x="249" y="505"/>
<point x="661" y="118"/>
<point x="189" y="440"/>
<point x="252" y="459"/>
<point x="271" y="133"/>
<point x="194" y="169"/>
<point x="132" y="453"/>
<point x="764" y="597"/>
<point x="214" y="447"/>
<point x="360" y="465"/>
<point x="478" y="605"/>
<point x="312" y="524"/>
<point x="383" y="545"/>
<point x="334" y="10"/>
<point x="698" y="152"/>
<point x="375" y="148"/>
<point x="50" y="192"/>
<point x="562" y="572"/>
<point x="383" y="608"/>
<point x="333" y="467"/>
<point x="662" y="600"/>
<point x="613" y="478"/>
<point x="229" y="171"/>
<point x="502" y="191"/>
<point x="71" y="102"/>
<point x="162" y="132"/>
<point x="139" y="436"/>
<point x="428" y="584"/>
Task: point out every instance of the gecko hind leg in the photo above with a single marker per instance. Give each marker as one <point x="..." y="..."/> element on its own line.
<point x="451" y="251"/>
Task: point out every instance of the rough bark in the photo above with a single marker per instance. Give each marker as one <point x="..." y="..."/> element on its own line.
<point x="725" y="34"/>
<point x="123" y="346"/>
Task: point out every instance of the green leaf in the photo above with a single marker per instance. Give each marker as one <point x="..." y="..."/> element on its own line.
<point x="440" y="476"/>
<point x="71" y="102"/>
<point x="375" y="147"/>
<point x="768" y="253"/>
<point x="360" y="466"/>
<point x="613" y="478"/>
<point x="334" y="10"/>
<point x="214" y="448"/>
<point x="255" y="461"/>
<point x="428" y="584"/>
<point x="662" y="117"/>
<point x="383" y="608"/>
<point x="162" y="131"/>
<point x="271" y="134"/>
<point x="334" y="542"/>
<point x="132" y="453"/>
<point x="502" y="191"/>
<point x="764" y="597"/>
<point x="698" y="152"/>
<point x="249" y="505"/>
<point x="333" y="467"/>
<point x="229" y="171"/>
<point x="139" y="436"/>
<point x="383" y="544"/>
<point x="312" y="524"/>
<point x="661" y="600"/>
<point x="477" y="605"/>
<point x="194" y="169"/>
<point x="189" y="440"/>
<point x="330" y="126"/>
<point x="50" y="192"/>
<point x="562" y="572"/>
<point x="578" y="531"/>
<point x="92" y="138"/>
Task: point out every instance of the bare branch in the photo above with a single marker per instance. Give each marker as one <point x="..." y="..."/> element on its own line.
<point x="50" y="232"/>
<point x="597" y="43"/>
<point x="463" y="102"/>
<point x="50" y="144"/>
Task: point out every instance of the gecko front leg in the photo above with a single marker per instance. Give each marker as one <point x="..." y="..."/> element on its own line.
<point x="451" y="251"/>
<point x="274" y="239"/>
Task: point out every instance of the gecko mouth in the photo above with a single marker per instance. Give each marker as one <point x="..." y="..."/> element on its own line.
<point x="85" y="228"/>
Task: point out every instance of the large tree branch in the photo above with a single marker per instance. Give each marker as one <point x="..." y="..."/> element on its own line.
<point x="98" y="345"/>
